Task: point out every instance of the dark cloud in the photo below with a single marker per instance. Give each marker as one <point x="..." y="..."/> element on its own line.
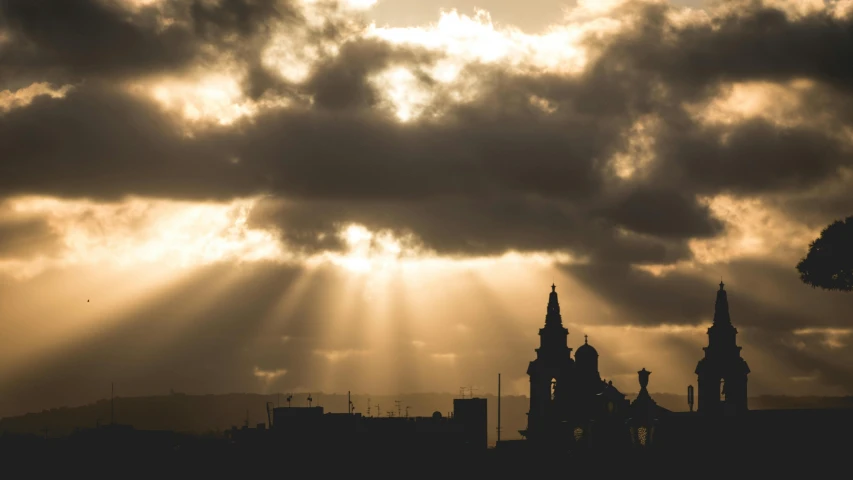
<point x="762" y="295"/>
<point x="493" y="174"/>
<point x="752" y="41"/>
<point x="101" y="142"/>
<point x="66" y="41"/>
<point x="22" y="238"/>
<point x="641" y="210"/>
<point x="752" y="158"/>
<point x="343" y="82"/>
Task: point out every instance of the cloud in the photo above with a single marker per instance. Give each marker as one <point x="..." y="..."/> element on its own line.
<point x="25" y="236"/>
<point x="337" y="355"/>
<point x="269" y="375"/>
<point x="444" y="357"/>
<point x="44" y="40"/>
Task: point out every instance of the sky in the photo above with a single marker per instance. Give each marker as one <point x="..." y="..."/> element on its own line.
<point x="298" y="195"/>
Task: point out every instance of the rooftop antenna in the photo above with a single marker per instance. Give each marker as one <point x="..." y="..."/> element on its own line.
<point x="289" y="398"/>
<point x="378" y="410"/>
<point x="310" y="399"/>
<point x="499" y="408"/>
<point x="471" y="390"/>
<point x="351" y="407"/>
<point x="462" y="392"/>
<point x="112" y="404"/>
<point x="407" y="411"/>
<point x="368" y="407"/>
<point x="397" y="403"/>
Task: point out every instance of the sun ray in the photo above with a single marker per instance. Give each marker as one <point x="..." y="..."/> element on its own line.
<point x="277" y="319"/>
<point x="90" y="304"/>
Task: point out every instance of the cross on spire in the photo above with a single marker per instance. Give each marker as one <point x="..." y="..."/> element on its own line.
<point x="585" y="337"/>
<point x="722" y="284"/>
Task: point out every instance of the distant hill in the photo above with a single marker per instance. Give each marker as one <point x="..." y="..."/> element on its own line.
<point x="214" y="414"/>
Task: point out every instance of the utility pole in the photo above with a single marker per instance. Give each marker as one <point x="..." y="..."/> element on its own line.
<point x="112" y="404"/>
<point x="499" y="408"/>
<point x="397" y="402"/>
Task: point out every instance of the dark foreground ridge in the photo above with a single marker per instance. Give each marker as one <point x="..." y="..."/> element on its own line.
<point x="765" y="444"/>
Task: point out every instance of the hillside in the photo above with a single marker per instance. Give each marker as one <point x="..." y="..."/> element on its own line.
<point x="216" y="413"/>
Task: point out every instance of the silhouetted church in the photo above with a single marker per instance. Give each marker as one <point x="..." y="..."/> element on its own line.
<point x="566" y="393"/>
<point x="569" y="402"/>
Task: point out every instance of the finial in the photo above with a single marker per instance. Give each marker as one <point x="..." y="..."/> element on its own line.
<point x="721" y="283"/>
<point x="553" y="287"/>
<point x="585" y="341"/>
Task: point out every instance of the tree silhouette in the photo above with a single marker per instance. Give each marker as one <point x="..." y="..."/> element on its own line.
<point x="829" y="262"/>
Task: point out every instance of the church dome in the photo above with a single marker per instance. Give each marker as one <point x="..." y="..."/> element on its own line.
<point x="586" y="352"/>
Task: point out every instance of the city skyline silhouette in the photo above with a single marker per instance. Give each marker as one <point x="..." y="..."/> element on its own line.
<point x="213" y="208"/>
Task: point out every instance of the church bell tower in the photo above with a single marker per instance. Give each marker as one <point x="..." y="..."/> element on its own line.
<point x="722" y="373"/>
<point x="550" y="373"/>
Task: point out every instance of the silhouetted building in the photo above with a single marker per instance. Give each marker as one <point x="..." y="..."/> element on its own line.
<point x="567" y="395"/>
<point x="472" y="414"/>
<point x="301" y="429"/>
<point x="722" y="373"/>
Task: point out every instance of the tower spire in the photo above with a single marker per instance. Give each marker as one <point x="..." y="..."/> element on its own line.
<point x="553" y="316"/>
<point x="721" y="306"/>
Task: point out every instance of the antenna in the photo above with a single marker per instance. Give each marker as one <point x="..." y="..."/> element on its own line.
<point x="462" y="392"/>
<point x="310" y="399"/>
<point x="112" y="404"/>
<point x="351" y="407"/>
<point x="407" y="411"/>
<point x="397" y="403"/>
<point x="471" y="390"/>
<point x="368" y="407"/>
<point x="378" y="410"/>
<point x="289" y="398"/>
<point x="499" y="408"/>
